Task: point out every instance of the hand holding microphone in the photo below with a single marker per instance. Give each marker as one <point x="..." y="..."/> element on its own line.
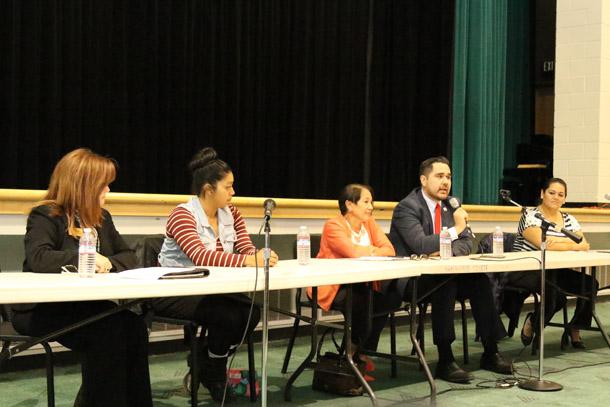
<point x="460" y="213"/>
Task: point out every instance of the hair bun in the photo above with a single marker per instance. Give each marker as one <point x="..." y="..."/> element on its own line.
<point x="202" y="158"/>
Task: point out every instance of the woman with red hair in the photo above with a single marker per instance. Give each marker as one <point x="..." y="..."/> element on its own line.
<point x="113" y="350"/>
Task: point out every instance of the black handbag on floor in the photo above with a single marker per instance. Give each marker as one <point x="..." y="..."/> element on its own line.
<point x="333" y="374"/>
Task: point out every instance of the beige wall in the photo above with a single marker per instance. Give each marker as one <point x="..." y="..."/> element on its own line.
<point x="582" y="98"/>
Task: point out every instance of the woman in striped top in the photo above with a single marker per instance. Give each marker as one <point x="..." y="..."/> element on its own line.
<point x="209" y="231"/>
<point x="529" y="238"/>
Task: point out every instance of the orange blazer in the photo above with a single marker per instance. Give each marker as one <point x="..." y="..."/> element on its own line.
<point x="336" y="243"/>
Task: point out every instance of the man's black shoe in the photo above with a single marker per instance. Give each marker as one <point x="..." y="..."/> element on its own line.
<point x="496" y="363"/>
<point x="451" y="372"/>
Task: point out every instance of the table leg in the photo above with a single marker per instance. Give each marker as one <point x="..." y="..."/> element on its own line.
<point x="347" y="335"/>
<point x="312" y="350"/>
<point x="420" y="354"/>
<point x="592" y="298"/>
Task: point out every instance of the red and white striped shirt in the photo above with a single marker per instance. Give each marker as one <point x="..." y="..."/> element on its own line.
<point x="181" y="226"/>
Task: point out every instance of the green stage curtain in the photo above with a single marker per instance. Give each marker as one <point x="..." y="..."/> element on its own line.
<point x="491" y="108"/>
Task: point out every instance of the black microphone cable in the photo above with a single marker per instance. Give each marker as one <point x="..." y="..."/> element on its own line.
<point x="249" y="320"/>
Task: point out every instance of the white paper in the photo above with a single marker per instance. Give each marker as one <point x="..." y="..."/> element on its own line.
<point x="380" y="258"/>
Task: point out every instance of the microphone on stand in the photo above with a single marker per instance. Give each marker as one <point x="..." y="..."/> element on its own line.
<point x="537" y="384"/>
<point x="505" y="194"/>
<point x="571" y="235"/>
<point x="455" y="204"/>
<point x="269" y="206"/>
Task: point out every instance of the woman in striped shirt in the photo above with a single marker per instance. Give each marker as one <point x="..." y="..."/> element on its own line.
<point x="529" y="238"/>
<point x="209" y="231"/>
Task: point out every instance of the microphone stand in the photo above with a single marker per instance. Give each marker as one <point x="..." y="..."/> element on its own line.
<point x="265" y="344"/>
<point x="538" y="384"/>
<point x="505" y="194"/>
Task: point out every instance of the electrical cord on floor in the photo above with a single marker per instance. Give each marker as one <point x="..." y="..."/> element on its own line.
<point x="553" y="371"/>
<point x="522" y="376"/>
<point x="516" y="372"/>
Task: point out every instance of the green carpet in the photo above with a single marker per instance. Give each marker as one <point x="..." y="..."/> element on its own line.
<point x="585" y="376"/>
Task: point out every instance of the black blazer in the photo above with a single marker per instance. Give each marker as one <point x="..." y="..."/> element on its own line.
<point x="48" y="245"/>
<point x="412" y="228"/>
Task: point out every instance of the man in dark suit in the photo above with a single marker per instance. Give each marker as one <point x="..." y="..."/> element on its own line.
<point x="416" y="223"/>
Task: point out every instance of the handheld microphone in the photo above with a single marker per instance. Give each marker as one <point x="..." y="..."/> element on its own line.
<point x="571" y="235"/>
<point x="455" y="204"/>
<point x="269" y="206"/>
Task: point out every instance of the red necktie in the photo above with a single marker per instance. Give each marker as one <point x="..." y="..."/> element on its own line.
<point x="437" y="219"/>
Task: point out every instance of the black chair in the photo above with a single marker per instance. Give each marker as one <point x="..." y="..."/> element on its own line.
<point x="302" y="301"/>
<point x="508" y="299"/>
<point x="147" y="250"/>
<point x="423" y="310"/>
<point x="9" y="336"/>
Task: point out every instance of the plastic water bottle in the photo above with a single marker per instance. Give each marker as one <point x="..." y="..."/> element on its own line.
<point x="86" y="253"/>
<point x="445" y="244"/>
<point x="303" y="246"/>
<point x="498" y="242"/>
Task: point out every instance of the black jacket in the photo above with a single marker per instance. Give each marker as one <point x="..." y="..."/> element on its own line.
<point x="48" y="246"/>
<point x="412" y="228"/>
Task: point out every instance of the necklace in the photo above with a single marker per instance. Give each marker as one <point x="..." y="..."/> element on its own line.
<point x="356" y="235"/>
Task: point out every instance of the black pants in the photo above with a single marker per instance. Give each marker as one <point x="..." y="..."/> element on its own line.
<point x="114" y="350"/>
<point x="442" y="291"/>
<point x="224" y="316"/>
<point x="568" y="280"/>
<point x="383" y="304"/>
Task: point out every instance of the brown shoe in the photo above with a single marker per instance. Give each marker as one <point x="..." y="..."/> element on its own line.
<point x="496" y="363"/>
<point x="453" y="373"/>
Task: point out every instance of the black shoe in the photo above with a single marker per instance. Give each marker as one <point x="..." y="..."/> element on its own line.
<point x="496" y="363"/>
<point x="217" y="390"/>
<point x="451" y="372"/>
<point x="80" y="398"/>
<point x="579" y="344"/>
<point x="526" y="340"/>
<point x="213" y="376"/>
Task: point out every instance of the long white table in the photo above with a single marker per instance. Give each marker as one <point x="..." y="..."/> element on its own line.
<point x="522" y="261"/>
<point x="31" y="287"/>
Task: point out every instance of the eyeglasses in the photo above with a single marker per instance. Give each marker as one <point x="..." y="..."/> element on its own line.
<point x="69" y="269"/>
<point x="419" y="257"/>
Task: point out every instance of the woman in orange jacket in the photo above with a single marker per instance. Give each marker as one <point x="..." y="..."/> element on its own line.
<point x="356" y="234"/>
